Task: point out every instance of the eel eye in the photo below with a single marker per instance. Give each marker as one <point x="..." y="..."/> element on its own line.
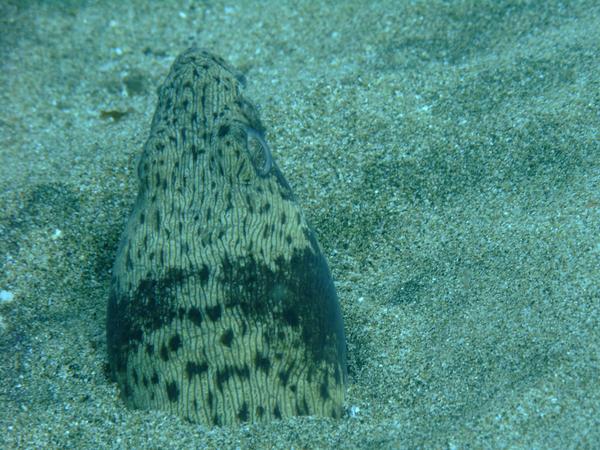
<point x="259" y="151"/>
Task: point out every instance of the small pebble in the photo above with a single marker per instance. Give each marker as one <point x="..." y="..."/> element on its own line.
<point x="6" y="296"/>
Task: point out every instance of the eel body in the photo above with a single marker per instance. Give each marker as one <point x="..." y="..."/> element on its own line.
<point x="222" y="308"/>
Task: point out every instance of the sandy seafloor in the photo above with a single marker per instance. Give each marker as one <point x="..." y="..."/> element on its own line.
<point x="446" y="152"/>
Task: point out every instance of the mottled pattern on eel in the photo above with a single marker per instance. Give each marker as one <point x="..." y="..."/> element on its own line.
<point x="222" y="308"/>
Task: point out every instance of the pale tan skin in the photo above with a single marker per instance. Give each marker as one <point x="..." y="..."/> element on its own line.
<point x="222" y="307"/>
